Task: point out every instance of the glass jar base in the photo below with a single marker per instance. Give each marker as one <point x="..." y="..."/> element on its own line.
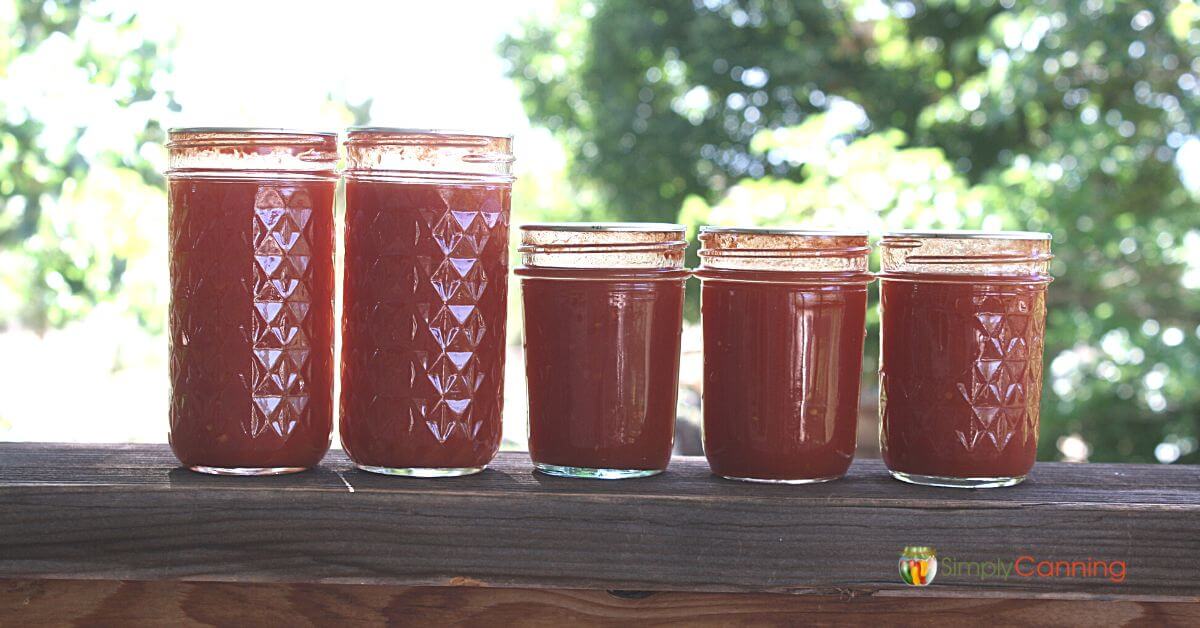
<point x="423" y="472"/>
<point x="594" y="474"/>
<point x="948" y="482"/>
<point x="247" y="471"/>
<point x="787" y="482"/>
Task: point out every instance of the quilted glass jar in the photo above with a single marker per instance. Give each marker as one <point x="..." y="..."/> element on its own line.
<point x="251" y="313"/>
<point x="960" y="378"/>
<point x="425" y="300"/>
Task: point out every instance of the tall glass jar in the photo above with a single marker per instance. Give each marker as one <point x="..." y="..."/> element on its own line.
<point x="603" y="318"/>
<point x="960" y="377"/>
<point x="784" y="314"/>
<point x="425" y="299"/>
<point x="251" y="314"/>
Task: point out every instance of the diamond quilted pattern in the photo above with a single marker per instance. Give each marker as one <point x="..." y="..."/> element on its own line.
<point x="947" y="397"/>
<point x="426" y="285"/>
<point x="251" y="322"/>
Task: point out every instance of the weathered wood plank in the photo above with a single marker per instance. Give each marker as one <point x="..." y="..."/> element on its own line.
<point x="90" y="603"/>
<point x="1140" y="485"/>
<point x="125" y="512"/>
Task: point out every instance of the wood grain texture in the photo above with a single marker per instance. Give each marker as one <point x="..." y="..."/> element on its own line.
<point x="127" y="513"/>
<point x="92" y="603"/>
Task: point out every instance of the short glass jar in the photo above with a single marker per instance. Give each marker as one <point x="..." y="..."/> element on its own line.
<point x="251" y="313"/>
<point x="960" y="377"/>
<point x="603" y="318"/>
<point x="425" y="299"/>
<point x="784" y="314"/>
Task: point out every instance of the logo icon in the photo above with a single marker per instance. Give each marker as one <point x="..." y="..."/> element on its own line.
<point x="918" y="565"/>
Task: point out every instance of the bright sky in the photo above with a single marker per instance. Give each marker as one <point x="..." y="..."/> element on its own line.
<point x="270" y="63"/>
<point x="427" y="64"/>
<point x="246" y="63"/>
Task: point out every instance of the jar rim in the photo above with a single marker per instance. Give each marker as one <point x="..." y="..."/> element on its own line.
<point x="796" y="231"/>
<point x="593" y="227"/>
<point x="205" y="152"/>
<point x="351" y="131"/>
<point x="603" y="245"/>
<point x="789" y="250"/>
<point x="970" y="234"/>
<point x="250" y="130"/>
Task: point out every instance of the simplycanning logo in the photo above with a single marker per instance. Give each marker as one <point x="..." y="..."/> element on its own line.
<point x="918" y="566"/>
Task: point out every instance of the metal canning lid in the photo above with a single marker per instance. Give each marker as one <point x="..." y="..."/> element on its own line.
<point x="604" y="227"/>
<point x="968" y="234"/>
<point x="391" y="130"/>
<point x="833" y="233"/>
<point x="249" y="130"/>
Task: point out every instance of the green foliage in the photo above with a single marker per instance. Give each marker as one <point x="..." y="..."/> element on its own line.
<point x="80" y="194"/>
<point x="1055" y="115"/>
<point x="873" y="182"/>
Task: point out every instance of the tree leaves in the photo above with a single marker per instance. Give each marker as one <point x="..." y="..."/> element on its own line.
<point x="1054" y="115"/>
<point x="80" y="102"/>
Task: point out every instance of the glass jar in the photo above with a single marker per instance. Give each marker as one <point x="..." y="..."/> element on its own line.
<point x="425" y="299"/>
<point x="251" y="313"/>
<point x="784" y="317"/>
<point x="603" y="318"/>
<point x="960" y="376"/>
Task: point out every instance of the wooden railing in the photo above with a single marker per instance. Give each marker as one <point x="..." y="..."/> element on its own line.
<point x="99" y="534"/>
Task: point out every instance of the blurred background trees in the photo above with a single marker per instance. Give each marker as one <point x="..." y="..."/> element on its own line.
<point x="75" y="177"/>
<point x="82" y="263"/>
<point x="86" y="89"/>
<point x="1075" y="117"/>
